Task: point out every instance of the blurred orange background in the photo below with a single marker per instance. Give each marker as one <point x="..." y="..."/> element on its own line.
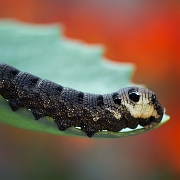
<point x="146" y="33"/>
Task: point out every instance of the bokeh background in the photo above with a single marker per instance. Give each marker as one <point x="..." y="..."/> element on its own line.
<point x="146" y="33"/>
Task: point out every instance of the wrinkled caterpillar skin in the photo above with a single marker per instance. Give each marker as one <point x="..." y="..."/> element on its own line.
<point x="128" y="107"/>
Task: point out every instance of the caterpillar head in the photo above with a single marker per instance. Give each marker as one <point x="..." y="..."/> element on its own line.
<point x="142" y="104"/>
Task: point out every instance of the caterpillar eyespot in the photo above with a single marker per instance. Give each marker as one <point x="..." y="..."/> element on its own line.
<point x="92" y="113"/>
<point x="116" y="98"/>
<point x="134" y="95"/>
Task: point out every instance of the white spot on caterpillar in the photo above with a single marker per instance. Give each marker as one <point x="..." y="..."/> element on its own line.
<point x="116" y="114"/>
<point x="95" y="118"/>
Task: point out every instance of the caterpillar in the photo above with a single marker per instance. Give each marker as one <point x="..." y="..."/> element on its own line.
<point x="128" y="107"/>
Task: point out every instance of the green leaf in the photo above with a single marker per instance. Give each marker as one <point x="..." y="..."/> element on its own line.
<point x="43" y="51"/>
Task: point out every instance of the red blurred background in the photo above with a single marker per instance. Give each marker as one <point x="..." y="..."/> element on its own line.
<point x="146" y="33"/>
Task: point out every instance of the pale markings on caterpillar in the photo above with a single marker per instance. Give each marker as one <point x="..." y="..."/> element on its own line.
<point x="116" y="114"/>
<point x="142" y="109"/>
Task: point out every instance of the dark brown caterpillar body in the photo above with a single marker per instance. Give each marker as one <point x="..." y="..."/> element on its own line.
<point x="128" y="107"/>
